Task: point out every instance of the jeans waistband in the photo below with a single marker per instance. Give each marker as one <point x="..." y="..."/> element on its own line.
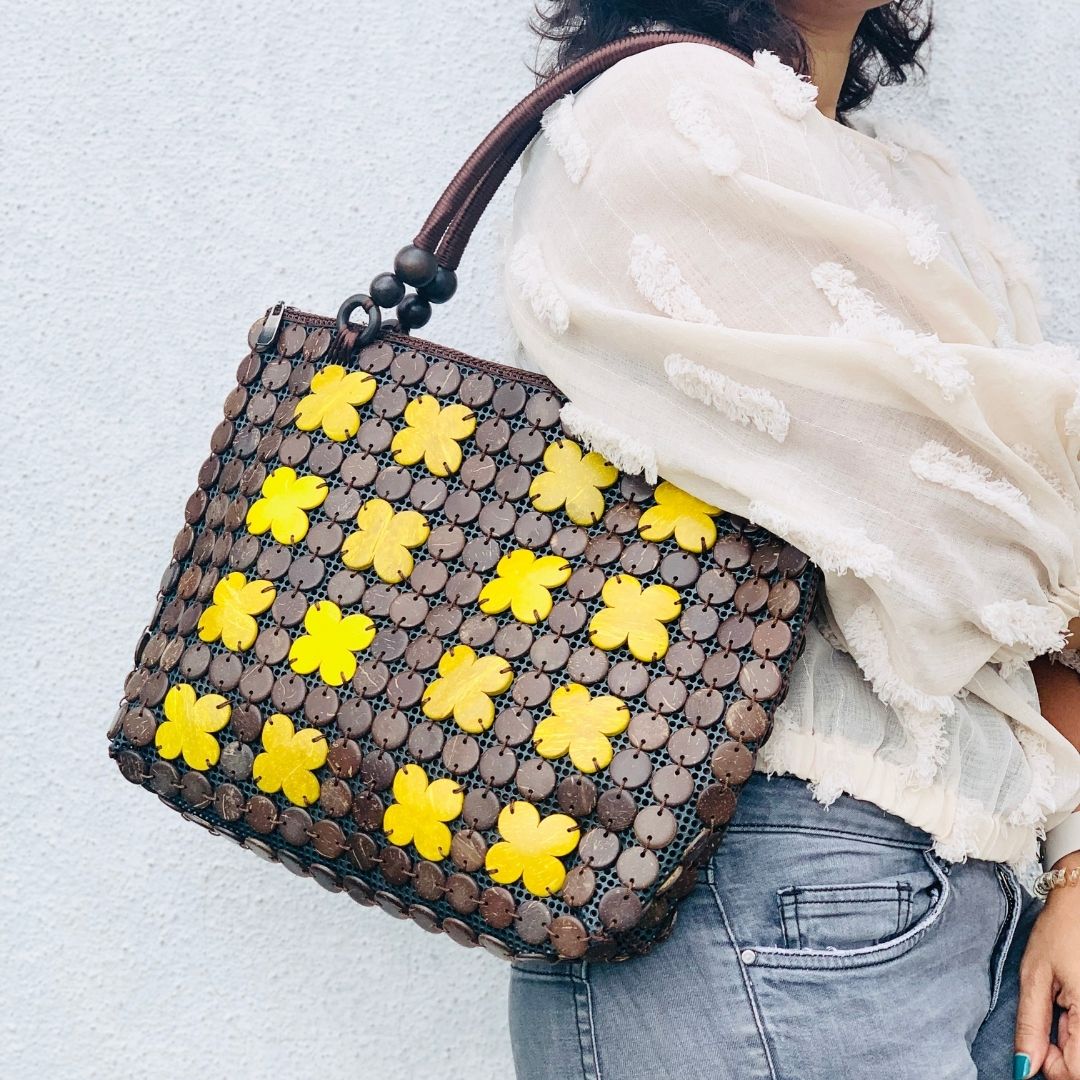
<point x="784" y="800"/>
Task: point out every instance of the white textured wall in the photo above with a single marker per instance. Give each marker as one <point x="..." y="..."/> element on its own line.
<point x="167" y="170"/>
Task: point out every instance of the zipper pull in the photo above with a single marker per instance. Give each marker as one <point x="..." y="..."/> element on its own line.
<point x="271" y="325"/>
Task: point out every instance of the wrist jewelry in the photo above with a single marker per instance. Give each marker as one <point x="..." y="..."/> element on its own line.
<point x="1063" y="839"/>
<point x="1051" y="879"/>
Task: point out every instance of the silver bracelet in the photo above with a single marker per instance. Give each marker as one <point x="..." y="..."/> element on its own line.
<point x="1052" y="879"/>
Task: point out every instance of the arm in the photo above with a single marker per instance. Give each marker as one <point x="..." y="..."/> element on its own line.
<point x="1050" y="967"/>
<point x="1059" y="694"/>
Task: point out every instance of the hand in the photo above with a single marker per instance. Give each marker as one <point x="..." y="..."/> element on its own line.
<point x="1049" y="971"/>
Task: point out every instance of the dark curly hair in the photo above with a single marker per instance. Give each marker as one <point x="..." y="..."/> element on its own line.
<point x="886" y="45"/>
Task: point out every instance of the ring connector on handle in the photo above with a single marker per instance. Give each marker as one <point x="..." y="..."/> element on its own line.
<point x="368" y="332"/>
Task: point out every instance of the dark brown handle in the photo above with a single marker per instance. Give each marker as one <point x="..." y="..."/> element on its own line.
<point x="451" y="222"/>
<point x="429" y="263"/>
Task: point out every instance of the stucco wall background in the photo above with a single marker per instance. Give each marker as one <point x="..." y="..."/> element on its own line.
<point x="166" y="171"/>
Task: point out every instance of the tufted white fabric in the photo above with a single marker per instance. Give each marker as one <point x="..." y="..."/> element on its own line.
<point x="821" y="328"/>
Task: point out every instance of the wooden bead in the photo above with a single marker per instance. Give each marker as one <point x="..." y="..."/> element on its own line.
<point x="413" y="311"/>
<point x="415" y="266"/>
<point x="441" y="287"/>
<point x="387" y="290"/>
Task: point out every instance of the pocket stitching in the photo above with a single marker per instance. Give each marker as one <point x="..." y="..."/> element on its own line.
<point x="790" y="898"/>
<point x="864" y="956"/>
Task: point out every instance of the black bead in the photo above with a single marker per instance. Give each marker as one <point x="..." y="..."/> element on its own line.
<point x="415" y="266"/>
<point x="387" y="290"/>
<point x="441" y="287"/>
<point x="413" y="311"/>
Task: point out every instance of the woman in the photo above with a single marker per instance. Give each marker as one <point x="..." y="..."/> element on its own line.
<point x="748" y="290"/>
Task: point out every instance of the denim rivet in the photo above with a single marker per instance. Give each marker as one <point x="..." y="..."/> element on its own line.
<point x="748" y="956"/>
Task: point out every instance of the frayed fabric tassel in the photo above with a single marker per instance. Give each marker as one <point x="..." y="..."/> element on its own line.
<point x="935" y="462"/>
<point x="744" y="404"/>
<point x="793" y="94"/>
<point x="563" y="132"/>
<point x="959" y="843"/>
<point x="533" y="279"/>
<point x="837" y="551"/>
<point x="1016" y="622"/>
<point x="659" y="281"/>
<point x="624" y="452"/>
<point x="1022" y="450"/>
<point x="689" y="113"/>
<point x="922" y="714"/>
<point x="863" y="317"/>
<point x="1072" y="417"/>
<point x="1039" y="800"/>
<point x="921" y="232"/>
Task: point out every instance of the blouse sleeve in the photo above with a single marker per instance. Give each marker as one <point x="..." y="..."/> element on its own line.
<point x="694" y="261"/>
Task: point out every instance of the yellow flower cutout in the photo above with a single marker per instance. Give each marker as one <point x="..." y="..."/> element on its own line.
<point x="465" y="687"/>
<point x="690" y="519"/>
<point x="432" y="433"/>
<point x="189" y="722"/>
<point x="382" y="539"/>
<point x="420" y="811"/>
<point x="529" y="848"/>
<point x="634" y="616"/>
<point x="289" y="760"/>
<point x="331" y="643"/>
<point x="231" y="616"/>
<point x="285" y="498"/>
<point x="573" y="480"/>
<point x="331" y="403"/>
<point x="523" y="583"/>
<point x="580" y="724"/>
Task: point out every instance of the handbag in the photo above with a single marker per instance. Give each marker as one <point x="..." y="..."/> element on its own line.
<point x="417" y="642"/>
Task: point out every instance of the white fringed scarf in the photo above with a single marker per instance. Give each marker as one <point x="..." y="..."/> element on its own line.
<point x="735" y="295"/>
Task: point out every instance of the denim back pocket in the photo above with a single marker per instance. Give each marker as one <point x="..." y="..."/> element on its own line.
<point x="843" y="916"/>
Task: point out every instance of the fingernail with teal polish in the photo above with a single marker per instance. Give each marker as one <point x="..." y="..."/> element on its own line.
<point x="1021" y="1066"/>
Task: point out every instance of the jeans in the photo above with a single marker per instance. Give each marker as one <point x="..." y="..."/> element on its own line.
<point x="820" y="942"/>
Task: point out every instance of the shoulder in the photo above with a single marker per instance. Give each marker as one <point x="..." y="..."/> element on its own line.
<point x="683" y="98"/>
<point x="721" y="75"/>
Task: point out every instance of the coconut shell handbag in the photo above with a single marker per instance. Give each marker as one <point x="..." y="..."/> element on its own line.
<point x="419" y="644"/>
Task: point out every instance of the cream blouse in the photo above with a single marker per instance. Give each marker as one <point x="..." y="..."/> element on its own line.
<point x="821" y="329"/>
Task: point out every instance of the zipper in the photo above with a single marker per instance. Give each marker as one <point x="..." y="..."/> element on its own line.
<point x="271" y="326"/>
